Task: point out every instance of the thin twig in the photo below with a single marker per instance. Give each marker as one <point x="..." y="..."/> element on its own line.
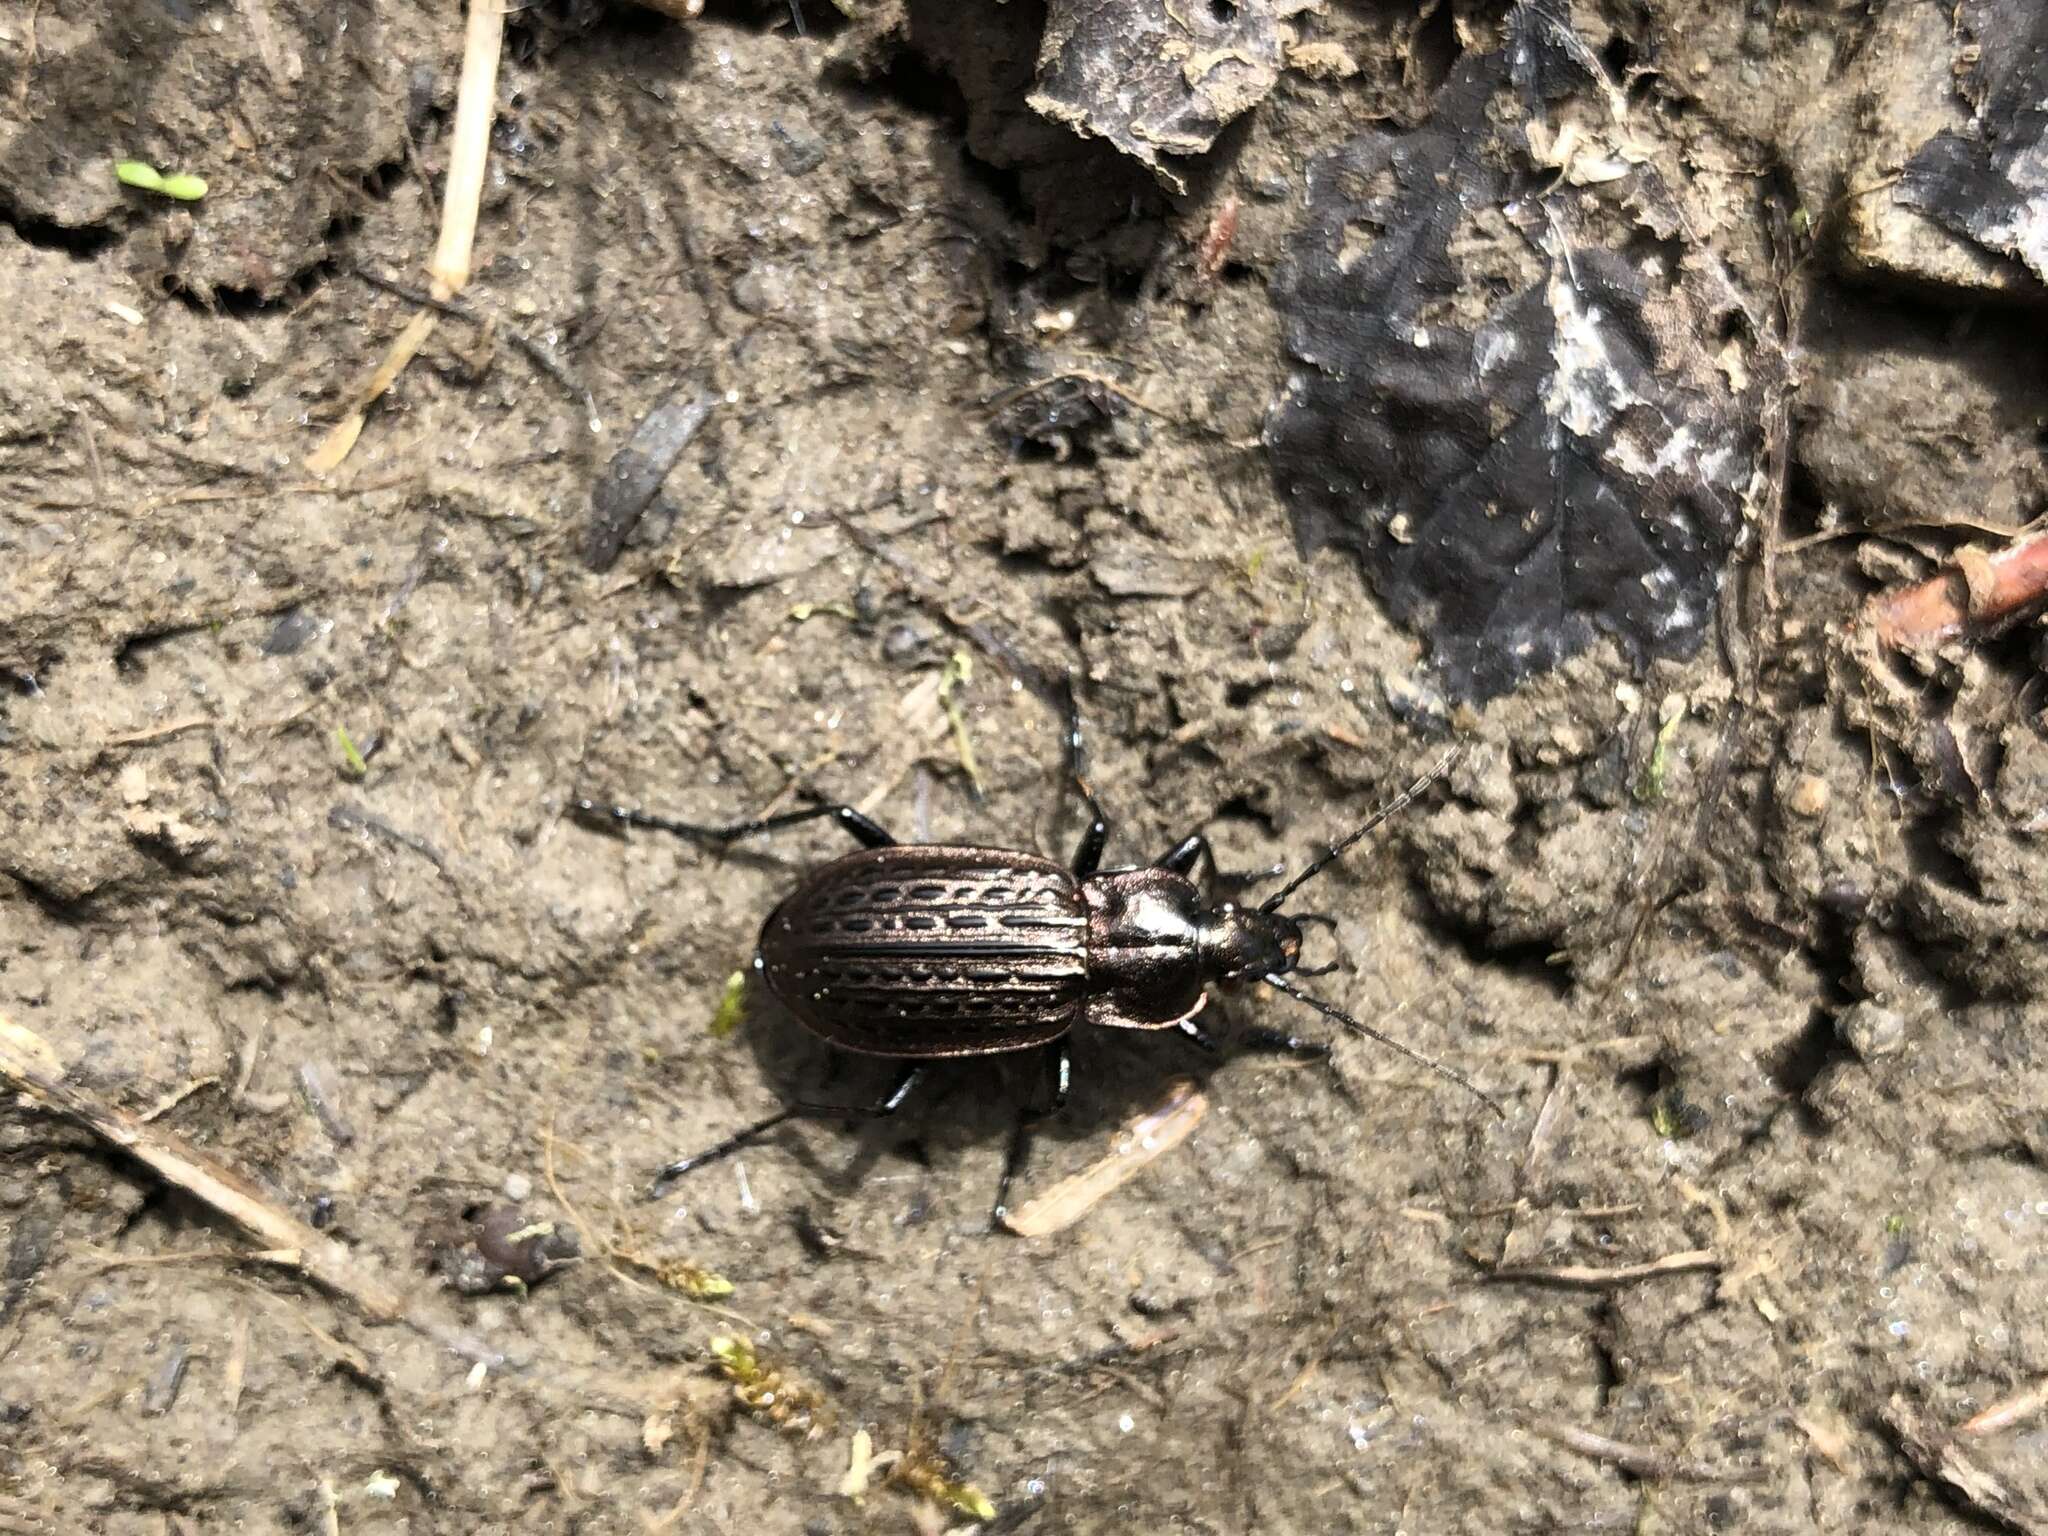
<point x="469" y="146"/>
<point x="1587" y="1277"/>
<point x="542" y="357"/>
<point x="1640" y="1460"/>
<point x="2003" y="1415"/>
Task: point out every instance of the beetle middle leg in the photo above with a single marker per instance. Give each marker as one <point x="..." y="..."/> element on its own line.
<point x="868" y="832"/>
<point x="1257" y="1037"/>
<point x="1059" y="1065"/>
<point x="803" y="1109"/>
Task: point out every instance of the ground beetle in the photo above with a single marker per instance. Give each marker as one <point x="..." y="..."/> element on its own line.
<point x="919" y="952"/>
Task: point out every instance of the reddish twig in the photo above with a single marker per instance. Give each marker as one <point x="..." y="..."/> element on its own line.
<point x="1977" y="592"/>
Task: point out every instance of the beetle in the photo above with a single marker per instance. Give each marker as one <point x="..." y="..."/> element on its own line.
<point x="923" y="952"/>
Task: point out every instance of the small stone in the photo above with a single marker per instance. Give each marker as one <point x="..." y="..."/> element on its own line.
<point x="1872" y="1031"/>
<point x="903" y="644"/>
<point x="517" y="1188"/>
<point x="761" y="290"/>
<point x="1809" y="797"/>
<point x="134" y="785"/>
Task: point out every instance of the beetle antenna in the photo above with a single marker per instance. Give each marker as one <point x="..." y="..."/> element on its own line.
<point x="1337" y="849"/>
<point x="1329" y="1011"/>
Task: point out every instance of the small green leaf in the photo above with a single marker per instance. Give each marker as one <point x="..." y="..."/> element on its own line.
<point x="732" y="1007"/>
<point x="184" y="186"/>
<point x="352" y="764"/>
<point x="138" y="173"/>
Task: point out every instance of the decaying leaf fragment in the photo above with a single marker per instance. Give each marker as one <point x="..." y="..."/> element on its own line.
<point x="1159" y="77"/>
<point x="1514" y="398"/>
<point x="1991" y="184"/>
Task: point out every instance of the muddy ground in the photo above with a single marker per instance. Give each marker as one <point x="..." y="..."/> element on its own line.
<point x="1771" y="991"/>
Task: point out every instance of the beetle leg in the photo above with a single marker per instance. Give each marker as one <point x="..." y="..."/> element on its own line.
<point x="868" y="832"/>
<point x="1087" y="857"/>
<point x="1059" y="1066"/>
<point x="892" y="1102"/>
<point x="1257" y="1037"/>
<point x="1201" y="1037"/>
<point x="1187" y="853"/>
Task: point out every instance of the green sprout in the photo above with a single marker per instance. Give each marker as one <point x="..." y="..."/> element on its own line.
<point x="959" y="672"/>
<point x="802" y="611"/>
<point x="352" y="764"/>
<point x="182" y="186"/>
<point x="1650" y="785"/>
<point x="732" y="1006"/>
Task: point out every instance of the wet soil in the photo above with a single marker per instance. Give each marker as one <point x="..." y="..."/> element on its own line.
<point x="285" y="861"/>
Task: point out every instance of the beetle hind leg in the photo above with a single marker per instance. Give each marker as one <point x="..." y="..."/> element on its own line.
<point x="1059" y="1064"/>
<point x="868" y="832"/>
<point x="889" y="1104"/>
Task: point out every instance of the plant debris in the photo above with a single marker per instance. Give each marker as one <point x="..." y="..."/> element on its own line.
<point x="502" y="1249"/>
<point x="732" y="1006"/>
<point x="1156" y="78"/>
<point x="634" y="474"/>
<point x="1509" y="404"/>
<point x="1990" y="184"/>
<point x="766" y="1392"/>
<point x="1978" y="591"/>
<point x="1137" y="1146"/>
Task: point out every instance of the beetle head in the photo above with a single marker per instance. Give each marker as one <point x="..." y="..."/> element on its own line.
<point x="1243" y="941"/>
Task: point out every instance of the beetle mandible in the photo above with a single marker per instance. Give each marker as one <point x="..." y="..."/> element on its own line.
<point x="920" y="952"/>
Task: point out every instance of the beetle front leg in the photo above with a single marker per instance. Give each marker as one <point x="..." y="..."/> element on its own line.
<point x="868" y="832"/>
<point x="1187" y="853"/>
<point x="1059" y="1062"/>
<point x="888" y="1106"/>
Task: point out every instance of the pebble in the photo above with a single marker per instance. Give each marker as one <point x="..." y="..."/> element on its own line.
<point x="1809" y="797"/>
<point x="1871" y="1030"/>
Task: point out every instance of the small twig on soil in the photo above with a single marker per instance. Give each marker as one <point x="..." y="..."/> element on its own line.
<point x="1641" y="1460"/>
<point x="29" y="1066"/>
<point x="469" y="148"/>
<point x="1140" y="1144"/>
<point x="353" y="818"/>
<point x="159" y="733"/>
<point x="541" y="357"/>
<point x="1587" y="1277"/>
<point x="1940" y="1459"/>
<point x="2003" y="1415"/>
<point x="1808" y="541"/>
<point x="1977" y="592"/>
<point x="177" y="1096"/>
<point x="287" y="1258"/>
<point x="469" y="145"/>
<point x="1040" y="680"/>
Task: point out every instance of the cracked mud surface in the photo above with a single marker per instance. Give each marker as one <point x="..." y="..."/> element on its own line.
<point x="1778" y="1000"/>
